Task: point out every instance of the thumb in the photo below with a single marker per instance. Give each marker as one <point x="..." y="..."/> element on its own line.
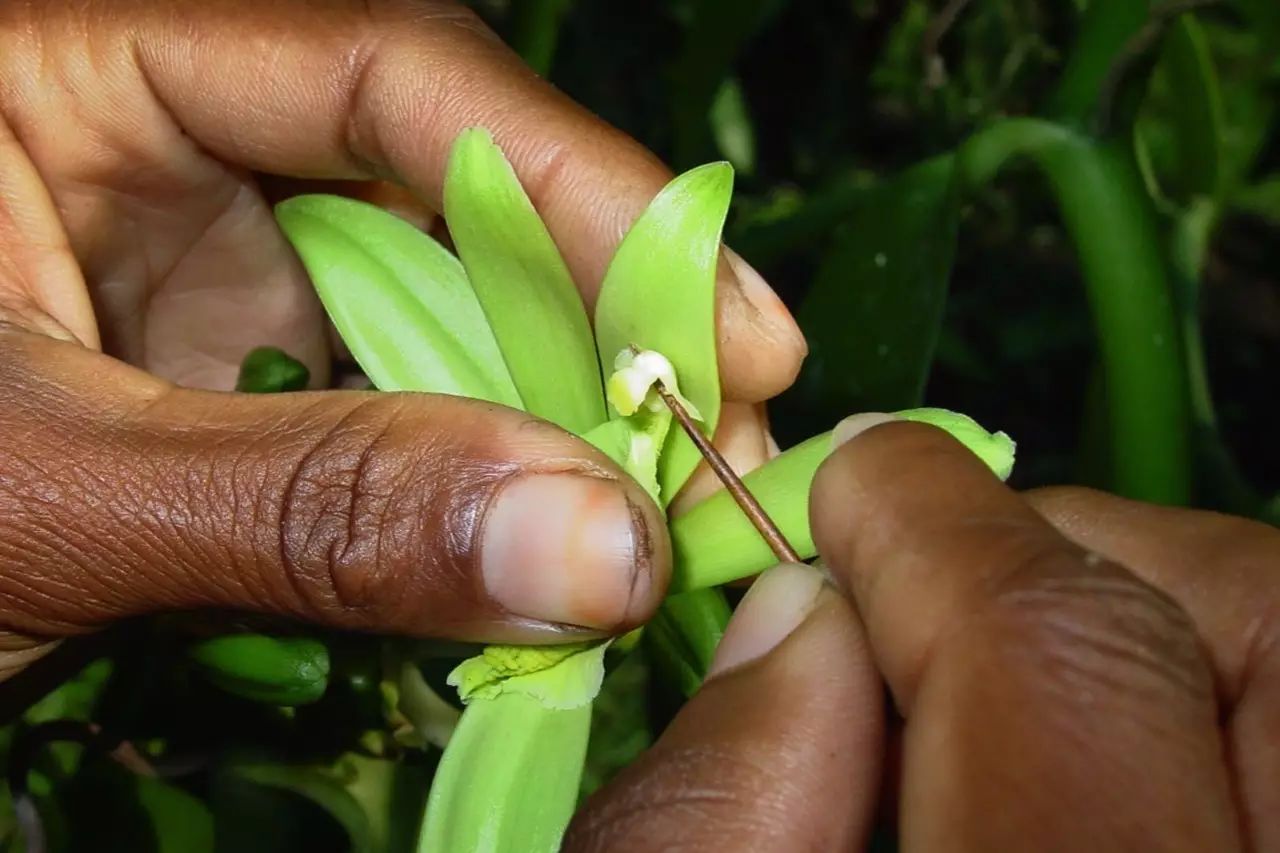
<point x="407" y="513"/>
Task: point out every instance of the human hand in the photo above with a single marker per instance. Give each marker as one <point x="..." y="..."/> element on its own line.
<point x="1070" y="671"/>
<point x="132" y="223"/>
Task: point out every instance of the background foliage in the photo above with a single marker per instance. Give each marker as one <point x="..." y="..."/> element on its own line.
<point x="918" y="274"/>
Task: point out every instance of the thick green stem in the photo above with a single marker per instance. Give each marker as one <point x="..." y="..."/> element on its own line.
<point x="1109" y="217"/>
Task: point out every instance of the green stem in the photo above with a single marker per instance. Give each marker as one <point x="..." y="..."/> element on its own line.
<point x="1220" y="478"/>
<point x="1109" y="217"/>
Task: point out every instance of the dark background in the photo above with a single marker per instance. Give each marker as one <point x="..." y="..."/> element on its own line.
<point x="839" y="94"/>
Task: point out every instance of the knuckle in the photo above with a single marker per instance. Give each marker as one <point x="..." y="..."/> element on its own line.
<point x="374" y="509"/>
<point x="675" y="803"/>
<point x="1081" y="621"/>
<point x="335" y="492"/>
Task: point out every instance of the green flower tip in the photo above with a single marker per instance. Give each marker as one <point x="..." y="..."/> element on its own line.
<point x="632" y="385"/>
<point x="996" y="449"/>
<point x="559" y="677"/>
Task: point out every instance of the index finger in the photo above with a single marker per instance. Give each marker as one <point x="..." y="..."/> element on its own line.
<point x="1053" y="701"/>
<point x="381" y="89"/>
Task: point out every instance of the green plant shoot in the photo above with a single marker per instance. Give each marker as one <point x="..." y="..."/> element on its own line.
<point x="507" y="325"/>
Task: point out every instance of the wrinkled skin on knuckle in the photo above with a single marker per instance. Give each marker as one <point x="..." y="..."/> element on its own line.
<point x="375" y="511"/>
<point x="675" y="803"/>
<point x="380" y="511"/>
<point x="48" y="524"/>
<point x="1076" y="625"/>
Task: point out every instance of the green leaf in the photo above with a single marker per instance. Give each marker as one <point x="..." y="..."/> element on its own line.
<point x="110" y="809"/>
<point x="321" y="788"/>
<point x="717" y="33"/>
<point x="731" y="126"/>
<point x="1182" y="119"/>
<point x="270" y="370"/>
<point x="875" y="310"/>
<point x="659" y="294"/>
<point x="1264" y="17"/>
<point x="400" y="301"/>
<point x="509" y="780"/>
<point x="535" y="31"/>
<point x="620" y="729"/>
<point x="683" y="635"/>
<point x="526" y="291"/>
<point x="1106" y="29"/>
<point x="276" y="671"/>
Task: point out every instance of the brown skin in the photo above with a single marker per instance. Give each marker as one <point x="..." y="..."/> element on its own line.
<point x="140" y="143"/>
<point x="1073" y="671"/>
<point x="1070" y="670"/>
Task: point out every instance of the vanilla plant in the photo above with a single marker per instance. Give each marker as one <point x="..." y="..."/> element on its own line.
<point x="502" y="321"/>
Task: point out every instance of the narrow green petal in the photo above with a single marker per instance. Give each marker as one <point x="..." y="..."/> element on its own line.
<point x="400" y="301"/>
<point x="523" y="284"/>
<point x="508" y="781"/>
<point x="659" y="294"/>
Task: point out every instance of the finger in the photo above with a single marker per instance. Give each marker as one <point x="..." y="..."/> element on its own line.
<point x="367" y="90"/>
<point x="1052" y="699"/>
<point x="417" y="514"/>
<point x="779" y="750"/>
<point x="1225" y="572"/>
<point x="741" y="439"/>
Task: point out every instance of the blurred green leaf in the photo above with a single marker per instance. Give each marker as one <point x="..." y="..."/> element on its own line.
<point x="1264" y="16"/>
<point x="400" y="301"/>
<point x="270" y="370"/>
<point x="731" y="125"/>
<point x="111" y="809"/>
<point x="535" y="30"/>
<point x="659" y="294"/>
<point x="1107" y="28"/>
<point x="528" y="296"/>
<point x="1182" y="122"/>
<point x="683" y="635"/>
<point x="323" y="789"/>
<point x="619" y="723"/>
<point x="875" y="309"/>
<point x="717" y="32"/>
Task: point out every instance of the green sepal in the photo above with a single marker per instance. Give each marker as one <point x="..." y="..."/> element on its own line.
<point x="659" y="294"/>
<point x="508" y="782"/>
<point x="401" y="302"/>
<point x="528" y="296"/>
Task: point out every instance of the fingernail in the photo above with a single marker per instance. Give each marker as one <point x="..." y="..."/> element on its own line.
<point x="777" y="603"/>
<point x="566" y="549"/>
<point x="772" y="310"/>
<point x="854" y="425"/>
